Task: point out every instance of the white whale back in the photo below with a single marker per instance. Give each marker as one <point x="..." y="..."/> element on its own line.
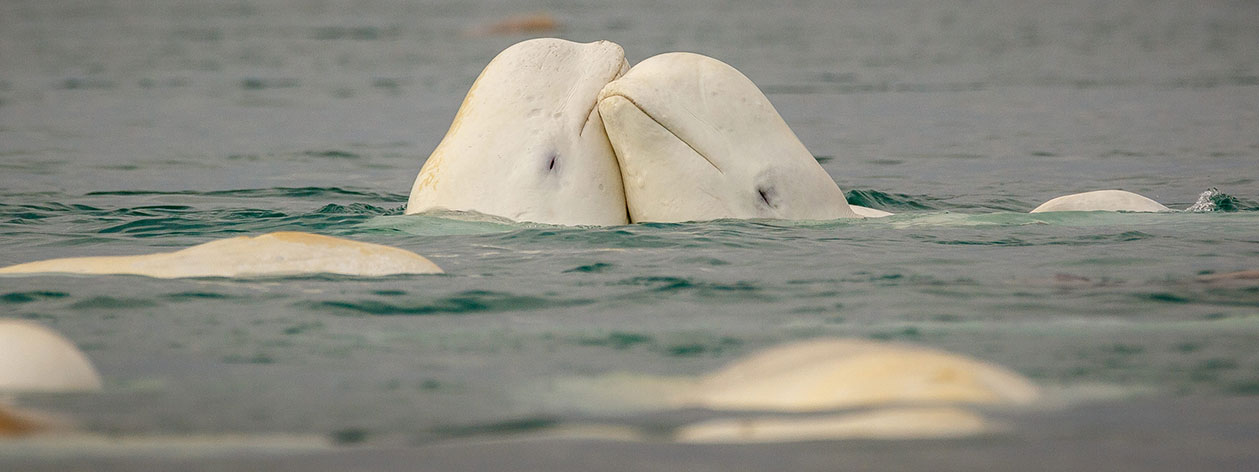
<point x="1101" y="200"/>
<point x="280" y="253"/>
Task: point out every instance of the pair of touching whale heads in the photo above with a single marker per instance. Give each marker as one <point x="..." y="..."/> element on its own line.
<point x="559" y="132"/>
<point x="566" y="133"/>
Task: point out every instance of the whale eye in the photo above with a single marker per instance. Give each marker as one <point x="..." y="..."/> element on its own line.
<point x="767" y="196"/>
<point x="550" y="165"/>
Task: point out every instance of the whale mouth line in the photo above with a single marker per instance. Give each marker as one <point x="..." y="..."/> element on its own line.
<point x="666" y="128"/>
<point x="586" y="124"/>
<point x="594" y="107"/>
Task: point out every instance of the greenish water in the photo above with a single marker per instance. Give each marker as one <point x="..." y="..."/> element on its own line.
<point x="134" y="127"/>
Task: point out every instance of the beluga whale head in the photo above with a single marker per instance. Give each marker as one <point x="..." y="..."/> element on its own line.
<point x="528" y="143"/>
<point x="697" y="140"/>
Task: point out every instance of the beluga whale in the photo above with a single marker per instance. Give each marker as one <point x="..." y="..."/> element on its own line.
<point x="697" y="140"/>
<point x="283" y="253"/>
<point x="34" y="358"/>
<point x="1101" y="200"/>
<point x="527" y="143"/>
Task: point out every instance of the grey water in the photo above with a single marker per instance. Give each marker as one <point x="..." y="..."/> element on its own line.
<point x="130" y="127"/>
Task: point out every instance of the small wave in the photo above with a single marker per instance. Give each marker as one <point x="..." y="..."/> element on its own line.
<point x="179" y="221"/>
<point x="31" y="296"/>
<point x="463" y="303"/>
<point x="591" y="268"/>
<point x="112" y="303"/>
<point x="1221" y="296"/>
<point x="289" y="192"/>
<point x="158" y="227"/>
<point x="516" y="426"/>
<point x="888" y="201"/>
<point x="195" y="296"/>
<point x="682" y="285"/>
<point x="332" y="154"/>
<point x="624" y="237"/>
<point x="1091" y="239"/>
<point x="261" y="83"/>
<point x="441" y="223"/>
<point x="1214" y="200"/>
<point x="357" y="209"/>
<point x="167" y="220"/>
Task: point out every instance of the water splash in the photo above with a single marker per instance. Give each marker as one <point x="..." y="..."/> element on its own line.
<point x="1214" y="200"/>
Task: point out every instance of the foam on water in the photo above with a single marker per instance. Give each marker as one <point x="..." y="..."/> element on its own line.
<point x="1213" y="200"/>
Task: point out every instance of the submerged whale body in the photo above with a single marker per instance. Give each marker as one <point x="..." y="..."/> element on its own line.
<point x="527" y="143"/>
<point x="280" y="253"/>
<point x="37" y="359"/>
<point x="898" y="392"/>
<point x="829" y="389"/>
<point x="1101" y="200"/>
<point x="34" y="358"/>
<point x="697" y="140"/>
<point x="844" y="373"/>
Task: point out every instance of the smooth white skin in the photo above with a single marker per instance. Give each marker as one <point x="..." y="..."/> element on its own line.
<point x="527" y="143"/>
<point x="826" y="374"/>
<point x="869" y="212"/>
<point x="696" y="140"/>
<point x="281" y="253"/>
<point x="886" y="423"/>
<point x="36" y="359"/>
<point x="1101" y="200"/>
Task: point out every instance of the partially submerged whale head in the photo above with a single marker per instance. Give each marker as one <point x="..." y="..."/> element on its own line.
<point x="527" y="143"/>
<point x="697" y="140"/>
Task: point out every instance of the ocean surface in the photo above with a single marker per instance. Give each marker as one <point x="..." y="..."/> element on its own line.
<point x="130" y="127"/>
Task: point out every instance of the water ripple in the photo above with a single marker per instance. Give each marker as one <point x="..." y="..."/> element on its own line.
<point x="463" y="303"/>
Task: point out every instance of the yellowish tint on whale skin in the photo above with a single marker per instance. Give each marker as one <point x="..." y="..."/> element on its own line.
<point x="527" y="143"/>
<point x="280" y="253"/>
<point x="13" y="424"/>
<point x="889" y="423"/>
<point x="825" y="389"/>
<point x="900" y="392"/>
<point x="845" y="373"/>
<point x="698" y="140"/>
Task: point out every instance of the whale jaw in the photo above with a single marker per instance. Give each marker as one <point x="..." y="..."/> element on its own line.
<point x="665" y="179"/>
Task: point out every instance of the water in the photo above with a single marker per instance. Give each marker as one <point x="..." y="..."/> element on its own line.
<point x="139" y="126"/>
